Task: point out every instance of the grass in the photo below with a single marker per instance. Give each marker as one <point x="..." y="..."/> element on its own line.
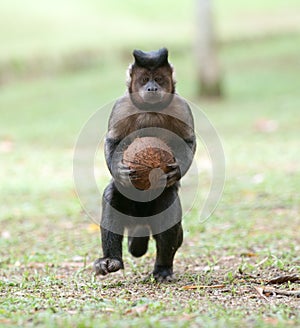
<point x="60" y="28"/>
<point x="47" y="243"/>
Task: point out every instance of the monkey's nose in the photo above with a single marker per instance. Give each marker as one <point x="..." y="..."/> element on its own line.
<point x="152" y="89"/>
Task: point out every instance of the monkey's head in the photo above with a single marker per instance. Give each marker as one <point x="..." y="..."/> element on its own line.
<point x="150" y="79"/>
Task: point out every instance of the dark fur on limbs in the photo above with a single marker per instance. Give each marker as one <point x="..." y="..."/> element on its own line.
<point x="150" y="102"/>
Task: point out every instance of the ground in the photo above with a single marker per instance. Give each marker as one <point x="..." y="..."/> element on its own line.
<point x="48" y="243"/>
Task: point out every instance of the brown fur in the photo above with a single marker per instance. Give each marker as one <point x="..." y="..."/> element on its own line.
<point x="137" y="82"/>
<point x="150" y="108"/>
<point x="127" y="118"/>
<point x="165" y="73"/>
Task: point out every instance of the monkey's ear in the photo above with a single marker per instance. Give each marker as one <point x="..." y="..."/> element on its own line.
<point x="129" y="75"/>
<point x="152" y="59"/>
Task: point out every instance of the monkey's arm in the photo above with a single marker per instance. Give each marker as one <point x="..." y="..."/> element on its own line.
<point x="114" y="159"/>
<point x="116" y="141"/>
<point x="184" y="154"/>
<point x="184" y="146"/>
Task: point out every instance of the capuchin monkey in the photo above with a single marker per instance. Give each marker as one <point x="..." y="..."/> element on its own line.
<point x="150" y="107"/>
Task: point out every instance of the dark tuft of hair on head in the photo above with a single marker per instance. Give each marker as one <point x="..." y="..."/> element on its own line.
<point x="151" y="59"/>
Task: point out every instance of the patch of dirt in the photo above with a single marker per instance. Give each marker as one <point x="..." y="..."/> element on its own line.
<point x="222" y="283"/>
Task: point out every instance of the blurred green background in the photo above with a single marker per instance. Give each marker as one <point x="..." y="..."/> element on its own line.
<point x="60" y="61"/>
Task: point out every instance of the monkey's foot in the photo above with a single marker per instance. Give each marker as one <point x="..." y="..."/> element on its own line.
<point x="106" y="265"/>
<point x="163" y="274"/>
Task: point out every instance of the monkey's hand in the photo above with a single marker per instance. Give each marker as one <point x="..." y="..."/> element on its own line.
<point x="173" y="175"/>
<point x="123" y="174"/>
<point x="106" y="265"/>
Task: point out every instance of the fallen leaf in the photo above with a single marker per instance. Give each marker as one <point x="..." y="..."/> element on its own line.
<point x="202" y="287"/>
<point x="93" y="227"/>
<point x="272" y="321"/>
<point x="260" y="292"/>
<point x="36" y="265"/>
<point x="248" y="254"/>
<point x="273" y="291"/>
<point x="71" y="264"/>
<point x="283" y="279"/>
<point x="5" y="321"/>
<point x="137" y="309"/>
<point x="72" y="312"/>
<point x="77" y="258"/>
<point x="261" y="262"/>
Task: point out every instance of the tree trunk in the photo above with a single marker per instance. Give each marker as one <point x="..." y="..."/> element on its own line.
<point x="209" y="74"/>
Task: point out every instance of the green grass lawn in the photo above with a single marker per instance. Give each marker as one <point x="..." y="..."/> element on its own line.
<point x="47" y="243"/>
<point x="51" y="29"/>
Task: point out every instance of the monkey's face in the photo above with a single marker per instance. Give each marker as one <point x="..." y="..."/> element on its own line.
<point x="151" y="86"/>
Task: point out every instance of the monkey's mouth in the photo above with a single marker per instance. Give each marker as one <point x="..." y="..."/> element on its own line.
<point x="152" y="97"/>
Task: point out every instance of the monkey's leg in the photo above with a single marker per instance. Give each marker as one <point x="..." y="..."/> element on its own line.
<point x="167" y="244"/>
<point x="138" y="240"/>
<point x="111" y="233"/>
<point x="112" y="253"/>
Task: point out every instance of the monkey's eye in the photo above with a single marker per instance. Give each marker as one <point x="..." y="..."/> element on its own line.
<point x="158" y="79"/>
<point x="145" y="79"/>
